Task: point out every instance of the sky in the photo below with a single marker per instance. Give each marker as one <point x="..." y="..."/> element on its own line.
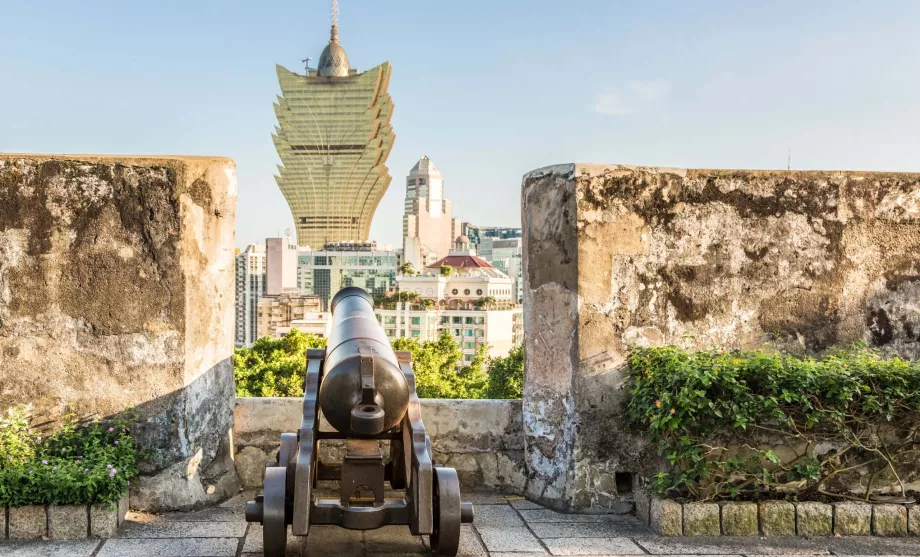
<point x="489" y="89"/>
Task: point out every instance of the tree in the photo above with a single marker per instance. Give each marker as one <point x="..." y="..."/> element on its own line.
<point x="274" y="367"/>
<point x="446" y="270"/>
<point x="485" y="302"/>
<point x="506" y="375"/>
<point x="435" y="365"/>
<point x="406" y="269"/>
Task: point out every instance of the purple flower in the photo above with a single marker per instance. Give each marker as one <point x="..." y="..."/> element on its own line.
<point x="111" y="429"/>
<point x="109" y="466"/>
<point x="30" y="472"/>
<point x="129" y="482"/>
<point x="54" y="468"/>
<point x="116" y="442"/>
<point x="45" y="462"/>
<point x="38" y="438"/>
<point x="124" y="430"/>
<point x="112" y="472"/>
<point x="85" y="470"/>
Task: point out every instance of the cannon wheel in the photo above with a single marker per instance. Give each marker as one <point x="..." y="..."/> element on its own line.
<point x="274" y="526"/>
<point x="445" y="540"/>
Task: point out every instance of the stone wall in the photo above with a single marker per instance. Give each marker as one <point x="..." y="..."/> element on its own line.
<point x="616" y="255"/>
<point x="482" y="439"/>
<point x="116" y="291"/>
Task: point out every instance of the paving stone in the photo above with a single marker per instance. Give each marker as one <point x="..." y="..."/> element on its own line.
<point x="470" y="546"/>
<point x="777" y="518"/>
<point x="183" y="530"/>
<point x="498" y="516"/>
<point x="643" y="502"/>
<point x="913" y="520"/>
<point x="178" y="547"/>
<point x="873" y="545"/>
<point x="739" y="519"/>
<point x="524" y="505"/>
<point x="103" y="521"/>
<point x="701" y="519"/>
<point x="28" y="523"/>
<point x="593" y="546"/>
<point x="547" y="515"/>
<point x="726" y="545"/>
<point x="321" y="541"/>
<point x="518" y="554"/>
<point x="606" y="529"/>
<point x="890" y="520"/>
<point x="212" y="514"/>
<point x="68" y="522"/>
<point x="42" y="548"/>
<point x="393" y="540"/>
<point x="485" y="497"/>
<point x="814" y="519"/>
<point x="666" y="517"/>
<point x="852" y="519"/>
<point x="508" y="539"/>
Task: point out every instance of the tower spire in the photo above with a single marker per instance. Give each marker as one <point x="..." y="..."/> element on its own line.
<point x="334" y="12"/>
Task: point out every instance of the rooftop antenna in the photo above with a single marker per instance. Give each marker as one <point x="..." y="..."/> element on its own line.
<point x="335" y="13"/>
<point x="307" y="64"/>
<point x="789" y="160"/>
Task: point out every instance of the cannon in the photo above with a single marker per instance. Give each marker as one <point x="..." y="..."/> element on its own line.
<point x="366" y="392"/>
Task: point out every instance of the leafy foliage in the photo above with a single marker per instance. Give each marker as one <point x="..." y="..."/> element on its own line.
<point x="79" y="464"/>
<point x="389" y="301"/>
<point x="446" y="270"/>
<point x="761" y="423"/>
<point x="274" y="367"/>
<point x="277" y="367"/>
<point x="407" y="269"/>
<point x="506" y="375"/>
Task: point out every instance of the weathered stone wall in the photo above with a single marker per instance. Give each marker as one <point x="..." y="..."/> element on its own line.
<point x="482" y="439"/>
<point x="116" y="290"/>
<point x="616" y="255"/>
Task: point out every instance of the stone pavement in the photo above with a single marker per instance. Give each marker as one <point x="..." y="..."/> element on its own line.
<point x="504" y="527"/>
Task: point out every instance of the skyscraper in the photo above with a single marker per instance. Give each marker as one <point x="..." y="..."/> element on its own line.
<point x="429" y="228"/>
<point x="333" y="137"/>
<point x="250" y="287"/>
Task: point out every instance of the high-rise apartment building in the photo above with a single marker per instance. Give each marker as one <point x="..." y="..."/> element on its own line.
<point x="279" y="314"/>
<point x="249" y="267"/>
<point x="333" y="137"/>
<point x="324" y="272"/>
<point x="280" y="267"/>
<point x="429" y="228"/>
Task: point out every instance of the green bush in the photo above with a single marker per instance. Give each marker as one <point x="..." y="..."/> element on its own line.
<point x="79" y="464"/>
<point x="506" y="375"/>
<point x="716" y="416"/>
<point x="274" y="367"/>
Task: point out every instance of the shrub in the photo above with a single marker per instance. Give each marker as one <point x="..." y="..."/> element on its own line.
<point x="716" y="416"/>
<point x="274" y="367"/>
<point x="506" y="375"/>
<point x="81" y="463"/>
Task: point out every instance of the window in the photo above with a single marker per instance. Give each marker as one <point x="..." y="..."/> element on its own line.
<point x="468" y="357"/>
<point x="470" y="320"/>
<point x="416" y="320"/>
<point x="454" y="291"/>
<point x="445" y="320"/>
<point x="480" y="333"/>
<point x="479" y="291"/>
<point x="456" y="332"/>
<point x="469" y="345"/>
<point x="470" y="332"/>
<point x="416" y="333"/>
<point x="466" y="292"/>
<point x="389" y="320"/>
<point x="457" y="319"/>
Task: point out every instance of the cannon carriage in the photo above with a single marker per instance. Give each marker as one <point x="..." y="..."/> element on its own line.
<point x="366" y="392"/>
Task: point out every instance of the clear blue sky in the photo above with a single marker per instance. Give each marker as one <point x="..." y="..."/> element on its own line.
<point x="488" y="89"/>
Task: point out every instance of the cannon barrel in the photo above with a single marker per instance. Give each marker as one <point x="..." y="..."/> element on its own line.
<point x="363" y="391"/>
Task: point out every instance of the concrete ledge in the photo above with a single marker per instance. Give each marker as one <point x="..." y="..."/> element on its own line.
<point x="777" y="518"/>
<point x="62" y="522"/>
<point x="482" y="439"/>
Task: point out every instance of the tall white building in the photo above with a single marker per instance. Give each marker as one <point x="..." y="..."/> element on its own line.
<point x="250" y="287"/>
<point x="280" y="267"/>
<point x="337" y="265"/>
<point x="429" y="228"/>
<point x="475" y="303"/>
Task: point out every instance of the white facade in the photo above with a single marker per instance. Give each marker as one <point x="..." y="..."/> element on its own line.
<point x="249" y="267"/>
<point x="507" y="256"/>
<point x="428" y="225"/>
<point x="280" y="266"/>
<point x="323" y="273"/>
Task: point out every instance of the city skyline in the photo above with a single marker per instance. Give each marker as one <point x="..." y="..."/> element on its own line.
<point x="489" y="91"/>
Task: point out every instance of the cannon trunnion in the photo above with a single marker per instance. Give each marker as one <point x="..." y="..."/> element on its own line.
<point x="366" y="392"/>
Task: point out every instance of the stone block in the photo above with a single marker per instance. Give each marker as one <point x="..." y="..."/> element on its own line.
<point x="814" y="519"/>
<point x="853" y="519"/>
<point x="28" y="523"/>
<point x="777" y="518"/>
<point x="702" y="519"/>
<point x="250" y="466"/>
<point x="643" y="506"/>
<point x="5" y="522"/>
<point x="739" y="519"/>
<point x="118" y="293"/>
<point x="68" y="522"/>
<point x="503" y="539"/>
<point x="666" y="517"/>
<point x="123" y="505"/>
<point x="103" y="521"/>
<point x="913" y="520"/>
<point x="195" y="547"/>
<point x="889" y="520"/>
<point x="593" y="546"/>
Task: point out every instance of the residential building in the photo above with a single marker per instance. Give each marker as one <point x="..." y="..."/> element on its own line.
<point x="249" y="268"/>
<point x="333" y="137"/>
<point x="429" y="228"/>
<point x="324" y="272"/>
<point x="277" y="313"/>
<point x="503" y="247"/>
<point x="280" y="266"/>
<point x="475" y="303"/>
